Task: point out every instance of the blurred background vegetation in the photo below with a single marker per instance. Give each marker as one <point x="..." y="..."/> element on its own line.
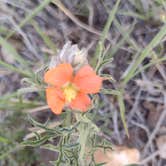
<point x="126" y="37"/>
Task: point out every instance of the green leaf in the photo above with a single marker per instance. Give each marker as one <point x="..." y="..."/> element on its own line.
<point x="38" y="142"/>
<point x="50" y="147"/>
<point x="110" y="92"/>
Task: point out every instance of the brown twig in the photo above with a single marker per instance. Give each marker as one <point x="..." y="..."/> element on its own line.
<point x="75" y="19"/>
<point x="159" y="123"/>
<point x="41" y="108"/>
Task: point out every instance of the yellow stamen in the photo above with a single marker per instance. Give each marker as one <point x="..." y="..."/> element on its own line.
<point x="70" y="92"/>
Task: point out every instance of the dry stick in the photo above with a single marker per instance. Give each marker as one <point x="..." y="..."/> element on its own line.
<point x="135" y="106"/>
<point x="142" y="126"/>
<point x="159" y="67"/>
<point x="41" y="108"/>
<point x="140" y="116"/>
<point x="26" y="40"/>
<point x="151" y="144"/>
<point x="91" y="13"/>
<point x="116" y="127"/>
<point x="152" y="148"/>
<point x="149" y="158"/>
<point x="75" y="19"/>
<point x="150" y="99"/>
<point x="159" y="123"/>
<point x="145" y="129"/>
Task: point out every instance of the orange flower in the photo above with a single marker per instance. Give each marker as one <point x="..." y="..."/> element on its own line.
<point x="67" y="88"/>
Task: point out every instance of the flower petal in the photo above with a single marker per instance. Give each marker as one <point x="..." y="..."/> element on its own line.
<point x="87" y="80"/>
<point x="55" y="100"/>
<point x="59" y="75"/>
<point x="81" y="102"/>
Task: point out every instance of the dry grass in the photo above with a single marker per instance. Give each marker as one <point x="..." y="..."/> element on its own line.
<point x="136" y="42"/>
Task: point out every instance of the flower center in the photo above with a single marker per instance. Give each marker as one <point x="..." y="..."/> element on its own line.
<point x="70" y="92"/>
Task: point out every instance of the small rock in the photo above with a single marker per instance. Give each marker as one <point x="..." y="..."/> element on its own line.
<point x="119" y="156"/>
<point x="161" y="144"/>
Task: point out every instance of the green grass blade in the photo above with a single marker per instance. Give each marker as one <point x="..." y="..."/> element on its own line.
<point x="109" y="22"/>
<point x="11" y="150"/>
<point x="146" y="52"/>
<point x="100" y="46"/>
<point x="132" y="14"/>
<point x="126" y="37"/>
<point x="122" y="112"/>
<point x="4" y="30"/>
<point x="31" y="15"/>
<point x="4" y="140"/>
<point x="45" y="38"/>
<point x="14" y="69"/>
<point x="12" y="51"/>
<point x="119" y="96"/>
<point x="143" y="68"/>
